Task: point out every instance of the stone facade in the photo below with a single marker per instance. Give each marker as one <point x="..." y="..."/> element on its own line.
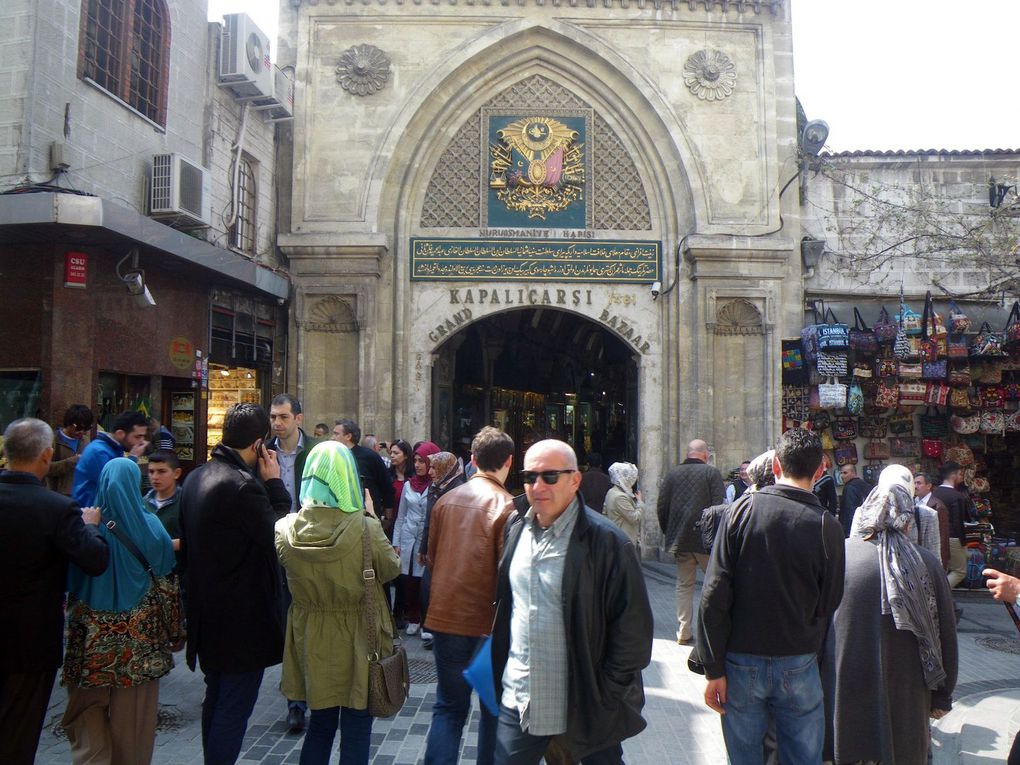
<point x="690" y="114"/>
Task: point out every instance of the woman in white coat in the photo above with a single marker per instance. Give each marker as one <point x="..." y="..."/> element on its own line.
<point x="408" y="532"/>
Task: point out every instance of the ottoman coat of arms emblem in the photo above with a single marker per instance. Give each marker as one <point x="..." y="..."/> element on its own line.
<point x="537" y="166"/>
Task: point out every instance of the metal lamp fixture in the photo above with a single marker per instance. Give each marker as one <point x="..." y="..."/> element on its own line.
<point x="811" y="250"/>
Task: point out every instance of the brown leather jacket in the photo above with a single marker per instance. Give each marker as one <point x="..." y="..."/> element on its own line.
<point x="61" y="474"/>
<point x="465" y="543"/>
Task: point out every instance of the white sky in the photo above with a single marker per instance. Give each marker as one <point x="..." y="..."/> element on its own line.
<point x="885" y="74"/>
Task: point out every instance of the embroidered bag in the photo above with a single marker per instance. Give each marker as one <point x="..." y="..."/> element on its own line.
<point x="832" y="364"/>
<point x="846" y="453"/>
<point x="959" y="375"/>
<point x="876" y="450"/>
<point x="929" y="349"/>
<point x="819" y="421"/>
<point x="965" y="423"/>
<point x="862" y="370"/>
<point x="982" y="505"/>
<point x="960" y="453"/>
<point x="904" y="446"/>
<point x="932" y="447"/>
<point x="957" y="349"/>
<point x="1012" y="391"/>
<point x="958" y="321"/>
<point x="993" y="422"/>
<point x="795" y="402"/>
<point x="809" y="340"/>
<point x="827" y="443"/>
<point x="794" y="372"/>
<point x="900" y="423"/>
<point x="987" y="373"/>
<point x="906" y="348"/>
<point x="887" y="367"/>
<point x="1012" y="424"/>
<point x="887" y="395"/>
<point x="912" y="394"/>
<point x="992" y="397"/>
<point x="1011" y="334"/>
<point x="872" y="472"/>
<point x="844" y="429"/>
<point x="832" y="395"/>
<point x="936" y="393"/>
<point x="910" y="371"/>
<point x="909" y="320"/>
<point x="855" y="399"/>
<point x="934" y="425"/>
<point x="986" y="344"/>
<point x="862" y="339"/>
<point x="885" y="328"/>
<point x="934" y="370"/>
<point x="872" y="426"/>
<point x="959" y="399"/>
<point x="832" y="336"/>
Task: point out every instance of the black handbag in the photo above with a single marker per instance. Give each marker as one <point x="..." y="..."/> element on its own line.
<point x="389" y="679"/>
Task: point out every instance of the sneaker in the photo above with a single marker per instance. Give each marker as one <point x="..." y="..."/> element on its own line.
<point x="412" y="628"/>
<point x="426" y="640"/>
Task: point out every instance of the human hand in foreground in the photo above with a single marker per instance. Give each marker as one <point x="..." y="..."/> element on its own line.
<point x="91" y="515"/>
<point x="1003" y="586"/>
<point x="715" y="694"/>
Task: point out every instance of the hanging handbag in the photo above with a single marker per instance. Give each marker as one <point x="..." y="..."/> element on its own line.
<point x="794" y="370"/>
<point x="912" y="394"/>
<point x="958" y="321"/>
<point x="929" y="348"/>
<point x="982" y="505"/>
<point x="986" y="344"/>
<point x="959" y="375"/>
<point x="167" y="592"/>
<point x="795" y="402"/>
<point x="876" y="450"/>
<point x="832" y="336"/>
<point x="862" y="339"/>
<point x="855" y="399"/>
<point x="832" y="364"/>
<point x="910" y="371"/>
<point x="957" y="349"/>
<point x="1012" y="423"/>
<point x="936" y="394"/>
<point x="934" y="370"/>
<point x="959" y="453"/>
<point x="959" y="398"/>
<point x="887" y="395"/>
<point x="872" y="426"/>
<point x="1011" y="334"/>
<point x="862" y="370"/>
<point x="846" y="453"/>
<point x="906" y="348"/>
<point x="872" y="472"/>
<point x="909" y="321"/>
<point x="828" y="444"/>
<point x="993" y="422"/>
<point x="965" y="424"/>
<point x="887" y="367"/>
<point x="819" y="421"/>
<point x="885" y="328"/>
<point x="932" y="447"/>
<point x="934" y="425"/>
<point x="832" y="395"/>
<point x="900" y="423"/>
<point x="992" y="397"/>
<point x="389" y="679"/>
<point x="844" y="429"/>
<point x="904" y="446"/>
<point x="987" y="373"/>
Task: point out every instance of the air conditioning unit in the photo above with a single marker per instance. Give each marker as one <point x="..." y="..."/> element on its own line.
<point x="245" y="67"/>
<point x="179" y="191"/>
<point x="279" y="107"/>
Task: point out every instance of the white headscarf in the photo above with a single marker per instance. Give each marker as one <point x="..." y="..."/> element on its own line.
<point x="624" y="475"/>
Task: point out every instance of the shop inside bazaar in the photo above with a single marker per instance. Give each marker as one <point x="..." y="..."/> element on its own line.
<point x="918" y="381"/>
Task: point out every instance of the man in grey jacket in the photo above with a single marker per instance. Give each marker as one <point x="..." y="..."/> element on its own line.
<point x="687" y="490"/>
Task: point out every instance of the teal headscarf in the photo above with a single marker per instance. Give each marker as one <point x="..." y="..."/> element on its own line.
<point x="124" y="583"/>
<point x="331" y="478"/>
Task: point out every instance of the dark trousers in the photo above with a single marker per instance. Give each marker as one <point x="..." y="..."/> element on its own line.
<point x="453" y="654"/>
<point x="1014" y="752"/>
<point x="23" y="701"/>
<point x="517" y="747"/>
<point x="411" y="585"/>
<point x="355" y="736"/>
<point x="229" y="700"/>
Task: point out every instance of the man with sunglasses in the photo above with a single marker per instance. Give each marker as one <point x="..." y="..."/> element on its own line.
<point x="68" y="444"/>
<point x="573" y="626"/>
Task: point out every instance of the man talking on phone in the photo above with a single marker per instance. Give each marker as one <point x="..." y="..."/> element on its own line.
<point x="235" y="624"/>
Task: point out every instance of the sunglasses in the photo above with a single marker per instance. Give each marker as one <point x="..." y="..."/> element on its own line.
<point x="548" y="476"/>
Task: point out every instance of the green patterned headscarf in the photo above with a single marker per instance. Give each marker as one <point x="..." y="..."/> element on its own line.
<point x="331" y="478"/>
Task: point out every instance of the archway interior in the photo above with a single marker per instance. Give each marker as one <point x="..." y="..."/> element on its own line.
<point x="538" y="373"/>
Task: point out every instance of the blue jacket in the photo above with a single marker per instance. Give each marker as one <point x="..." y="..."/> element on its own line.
<point x="91" y="463"/>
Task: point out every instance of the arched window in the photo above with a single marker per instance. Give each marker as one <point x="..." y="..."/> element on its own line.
<point x="242" y="235"/>
<point x="125" y="50"/>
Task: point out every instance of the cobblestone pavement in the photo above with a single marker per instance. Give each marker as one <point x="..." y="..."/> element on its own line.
<point x="681" y="730"/>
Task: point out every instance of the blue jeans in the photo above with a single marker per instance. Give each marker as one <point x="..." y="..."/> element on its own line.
<point x="453" y="653"/>
<point x="787" y="687"/>
<point x="355" y="736"/>
<point x="517" y="747"/>
<point x="229" y="700"/>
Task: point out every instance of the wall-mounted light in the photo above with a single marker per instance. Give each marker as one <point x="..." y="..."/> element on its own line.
<point x="811" y="251"/>
<point x="813" y="138"/>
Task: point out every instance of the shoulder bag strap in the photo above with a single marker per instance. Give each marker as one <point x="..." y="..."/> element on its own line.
<point x="131" y="546"/>
<point x="859" y="321"/>
<point x="1014" y="315"/>
<point x="926" y="316"/>
<point x="367" y="577"/>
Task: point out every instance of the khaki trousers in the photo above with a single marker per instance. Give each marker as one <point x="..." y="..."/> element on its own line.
<point x="687" y="565"/>
<point x="957" y="563"/>
<point x="112" y="726"/>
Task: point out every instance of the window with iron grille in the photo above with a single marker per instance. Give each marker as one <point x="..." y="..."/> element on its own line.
<point x="125" y="50"/>
<point x="242" y="235"/>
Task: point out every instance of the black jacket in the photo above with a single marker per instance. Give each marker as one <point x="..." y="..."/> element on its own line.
<point x="956" y="502"/>
<point x="608" y="626"/>
<point x="40" y="531"/>
<point x="855" y="491"/>
<point x="687" y="490"/>
<point x="774" y="578"/>
<point x="235" y="619"/>
<point x="825" y="490"/>
<point x="375" y="477"/>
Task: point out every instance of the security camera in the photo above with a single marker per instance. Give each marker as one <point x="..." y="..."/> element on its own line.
<point x="144" y="298"/>
<point x="138" y="289"/>
<point x="656" y="289"/>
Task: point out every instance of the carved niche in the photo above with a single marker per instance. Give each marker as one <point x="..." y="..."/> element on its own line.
<point x="331" y="314"/>
<point x="738" y="317"/>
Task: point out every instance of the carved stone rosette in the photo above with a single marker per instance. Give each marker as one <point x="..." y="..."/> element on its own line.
<point x="710" y="75"/>
<point x="363" y="70"/>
